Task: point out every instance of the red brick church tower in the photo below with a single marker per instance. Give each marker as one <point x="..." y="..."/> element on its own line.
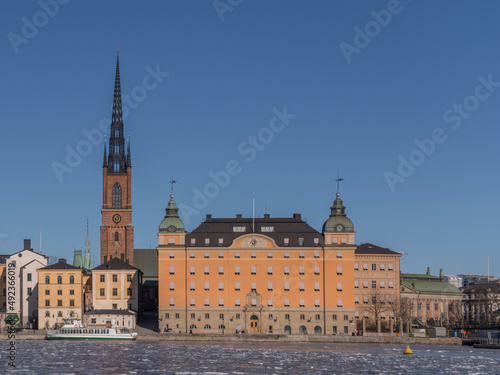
<point x="117" y="231"/>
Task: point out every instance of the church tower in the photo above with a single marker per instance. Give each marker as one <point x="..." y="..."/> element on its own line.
<point x="117" y="231"/>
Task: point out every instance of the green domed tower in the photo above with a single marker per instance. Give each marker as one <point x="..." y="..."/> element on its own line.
<point x="172" y="231"/>
<point x="338" y="228"/>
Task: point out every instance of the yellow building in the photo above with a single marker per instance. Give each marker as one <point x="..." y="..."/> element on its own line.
<point x="3" y="284"/>
<point x="265" y="275"/>
<point x="115" y="294"/>
<point x="60" y="293"/>
<point x="376" y="284"/>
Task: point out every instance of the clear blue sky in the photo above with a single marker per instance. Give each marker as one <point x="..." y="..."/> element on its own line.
<point x="228" y="72"/>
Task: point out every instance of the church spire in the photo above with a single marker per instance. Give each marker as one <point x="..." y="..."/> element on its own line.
<point x="117" y="161"/>
<point x="86" y="261"/>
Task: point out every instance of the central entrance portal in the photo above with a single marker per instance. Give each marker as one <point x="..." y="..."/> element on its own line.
<point x="254" y="323"/>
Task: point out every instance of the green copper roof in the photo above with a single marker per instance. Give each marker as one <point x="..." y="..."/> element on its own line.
<point x="338" y="217"/>
<point x="172" y="221"/>
<point x="77" y="259"/>
<point x="428" y="283"/>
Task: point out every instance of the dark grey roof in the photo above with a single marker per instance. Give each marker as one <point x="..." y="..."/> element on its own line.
<point x="3" y="258"/>
<point x="109" y="312"/>
<point x="115" y="264"/>
<point x="368" y="248"/>
<point x="61" y="265"/>
<point x="292" y="228"/>
<point x="147" y="261"/>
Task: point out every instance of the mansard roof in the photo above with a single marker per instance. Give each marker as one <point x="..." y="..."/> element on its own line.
<point x="61" y="265"/>
<point x="370" y="249"/>
<point x="115" y="264"/>
<point x="276" y="228"/>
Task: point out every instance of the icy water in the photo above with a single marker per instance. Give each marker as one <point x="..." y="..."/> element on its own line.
<point x="90" y="357"/>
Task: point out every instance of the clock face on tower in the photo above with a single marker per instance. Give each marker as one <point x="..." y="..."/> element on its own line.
<point x="339" y="227"/>
<point x="117" y="218"/>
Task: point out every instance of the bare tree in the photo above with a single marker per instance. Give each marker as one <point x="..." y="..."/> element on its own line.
<point x="377" y="303"/>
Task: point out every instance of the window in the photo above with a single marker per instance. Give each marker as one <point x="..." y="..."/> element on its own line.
<point x="301" y="242"/>
<point x="221" y="242"/>
<point x="301" y="255"/>
<point x="301" y="270"/>
<point x="237" y="286"/>
<point x="374" y="299"/>
<point x="339" y="255"/>
<point x="237" y="303"/>
<point x="192" y="286"/>
<point x="101" y="292"/>
<point x="129" y="278"/>
<point x="115" y="291"/>
<point x="221" y="316"/>
<point x="287" y="270"/>
<point x="253" y="270"/>
<point x="71" y="292"/>
<point x="316" y="255"/>
<point x="334" y="317"/>
<point x="171" y="255"/>
<point x="239" y="229"/>
<point x="115" y="278"/>
<point x="47" y="303"/>
<point x="365" y="284"/>
<point x="117" y="195"/>
<point x="28" y="292"/>
<point x="374" y="267"/>
<point x="339" y="287"/>
<point x="286" y="255"/>
<point x="59" y="279"/>
<point x="221" y="301"/>
<point x="382" y="267"/>
<point x="382" y="284"/>
<point x="167" y="316"/>
<point x="339" y="302"/>
<point x="238" y="315"/>
<point x="334" y="330"/>
<point x="221" y="286"/>
<point x="428" y="306"/>
<point x="267" y="229"/>
<point x="253" y="255"/>
<point x="172" y="285"/>
<point x="59" y="314"/>
<point x="192" y="255"/>
<point x="253" y="302"/>
<point x="365" y="300"/>
<point x="302" y="302"/>
<point x="436" y="307"/>
<point x="317" y="302"/>
<point x="253" y="285"/>
<point x="237" y="255"/>
<point x="270" y="302"/>
<point x="72" y="279"/>
<point x="207" y="242"/>
<point x="356" y="299"/>
<point x="207" y="270"/>
<point x="391" y="300"/>
<point x="172" y="270"/>
<point x="47" y="280"/>
<point x="302" y="317"/>
<point x="318" y="317"/>
<point x="419" y="306"/>
<point x="59" y="292"/>
<point x="207" y="316"/>
<point x="343" y="240"/>
<point x="47" y="292"/>
<point x="207" y="303"/>
<point x="193" y="315"/>
<point x="221" y="255"/>
<point x="72" y="302"/>
<point x="391" y="284"/>
<point x="47" y="314"/>
<point x="302" y="287"/>
<point x="270" y="317"/>
<point x="287" y="303"/>
<point x="102" y="278"/>
<point x="236" y="270"/>
<point x="269" y="270"/>
<point x="356" y="283"/>
<point x="287" y="286"/>
<point x="221" y="270"/>
<point x="287" y="316"/>
<point x="192" y="270"/>
<point x="206" y="255"/>
<point x="382" y="299"/>
<point x="286" y="241"/>
<point x="172" y="301"/>
<point x="391" y="267"/>
<point x="207" y="286"/>
<point x="193" y="242"/>
<point x="374" y="284"/>
<point x="59" y="302"/>
<point x="177" y="316"/>
<point x="346" y="317"/>
<point x="316" y="243"/>
<point x="270" y="286"/>
<point x="28" y="276"/>
<point x="356" y="266"/>
<point x="365" y="266"/>
<point x="269" y="255"/>
<point x="316" y="286"/>
<point x="316" y="270"/>
<point x="346" y="329"/>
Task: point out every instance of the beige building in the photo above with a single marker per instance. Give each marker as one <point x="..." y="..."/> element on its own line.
<point x="60" y="294"/>
<point x="115" y="288"/>
<point x="376" y="284"/>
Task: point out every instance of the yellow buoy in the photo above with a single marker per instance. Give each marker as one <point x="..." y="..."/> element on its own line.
<point x="407" y="350"/>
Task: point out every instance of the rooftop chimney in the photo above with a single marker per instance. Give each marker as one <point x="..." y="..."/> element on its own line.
<point x="209" y="216"/>
<point x="239" y="216"/>
<point x="27" y="245"/>
<point x="267" y="216"/>
<point x="297" y="216"/>
<point x="62" y="260"/>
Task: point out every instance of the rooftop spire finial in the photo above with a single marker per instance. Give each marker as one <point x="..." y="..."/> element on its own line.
<point x="172" y="182"/>
<point x="338" y="179"/>
<point x="118" y="49"/>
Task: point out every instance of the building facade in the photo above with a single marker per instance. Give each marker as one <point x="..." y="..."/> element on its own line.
<point x="266" y="275"/>
<point x="376" y="283"/>
<point x="117" y="231"/>
<point x="60" y="293"/>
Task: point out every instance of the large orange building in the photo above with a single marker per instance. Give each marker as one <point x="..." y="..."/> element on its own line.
<point x="267" y="275"/>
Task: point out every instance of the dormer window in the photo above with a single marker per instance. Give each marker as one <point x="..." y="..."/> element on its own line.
<point x="301" y="242"/>
<point x="193" y="241"/>
<point x="239" y="229"/>
<point x="267" y="229"/>
<point x="207" y="241"/>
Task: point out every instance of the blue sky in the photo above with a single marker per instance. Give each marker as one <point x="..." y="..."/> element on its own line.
<point x="421" y="77"/>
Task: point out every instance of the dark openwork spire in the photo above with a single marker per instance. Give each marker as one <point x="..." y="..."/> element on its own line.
<point x="117" y="161"/>
<point x="105" y="160"/>
<point x="129" y="158"/>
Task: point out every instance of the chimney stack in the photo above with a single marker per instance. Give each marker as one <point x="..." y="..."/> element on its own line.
<point x="27" y="245"/>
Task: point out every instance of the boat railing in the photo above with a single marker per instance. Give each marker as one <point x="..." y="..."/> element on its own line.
<point x="489" y="341"/>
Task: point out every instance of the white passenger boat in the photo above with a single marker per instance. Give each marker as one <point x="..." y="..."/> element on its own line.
<point x="74" y="330"/>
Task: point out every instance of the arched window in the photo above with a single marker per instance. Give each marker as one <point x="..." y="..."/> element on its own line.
<point x="317" y="330"/>
<point x="47" y="279"/>
<point x="117" y="196"/>
<point x="59" y="279"/>
<point x="117" y="236"/>
<point x="59" y="313"/>
<point x="72" y="279"/>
